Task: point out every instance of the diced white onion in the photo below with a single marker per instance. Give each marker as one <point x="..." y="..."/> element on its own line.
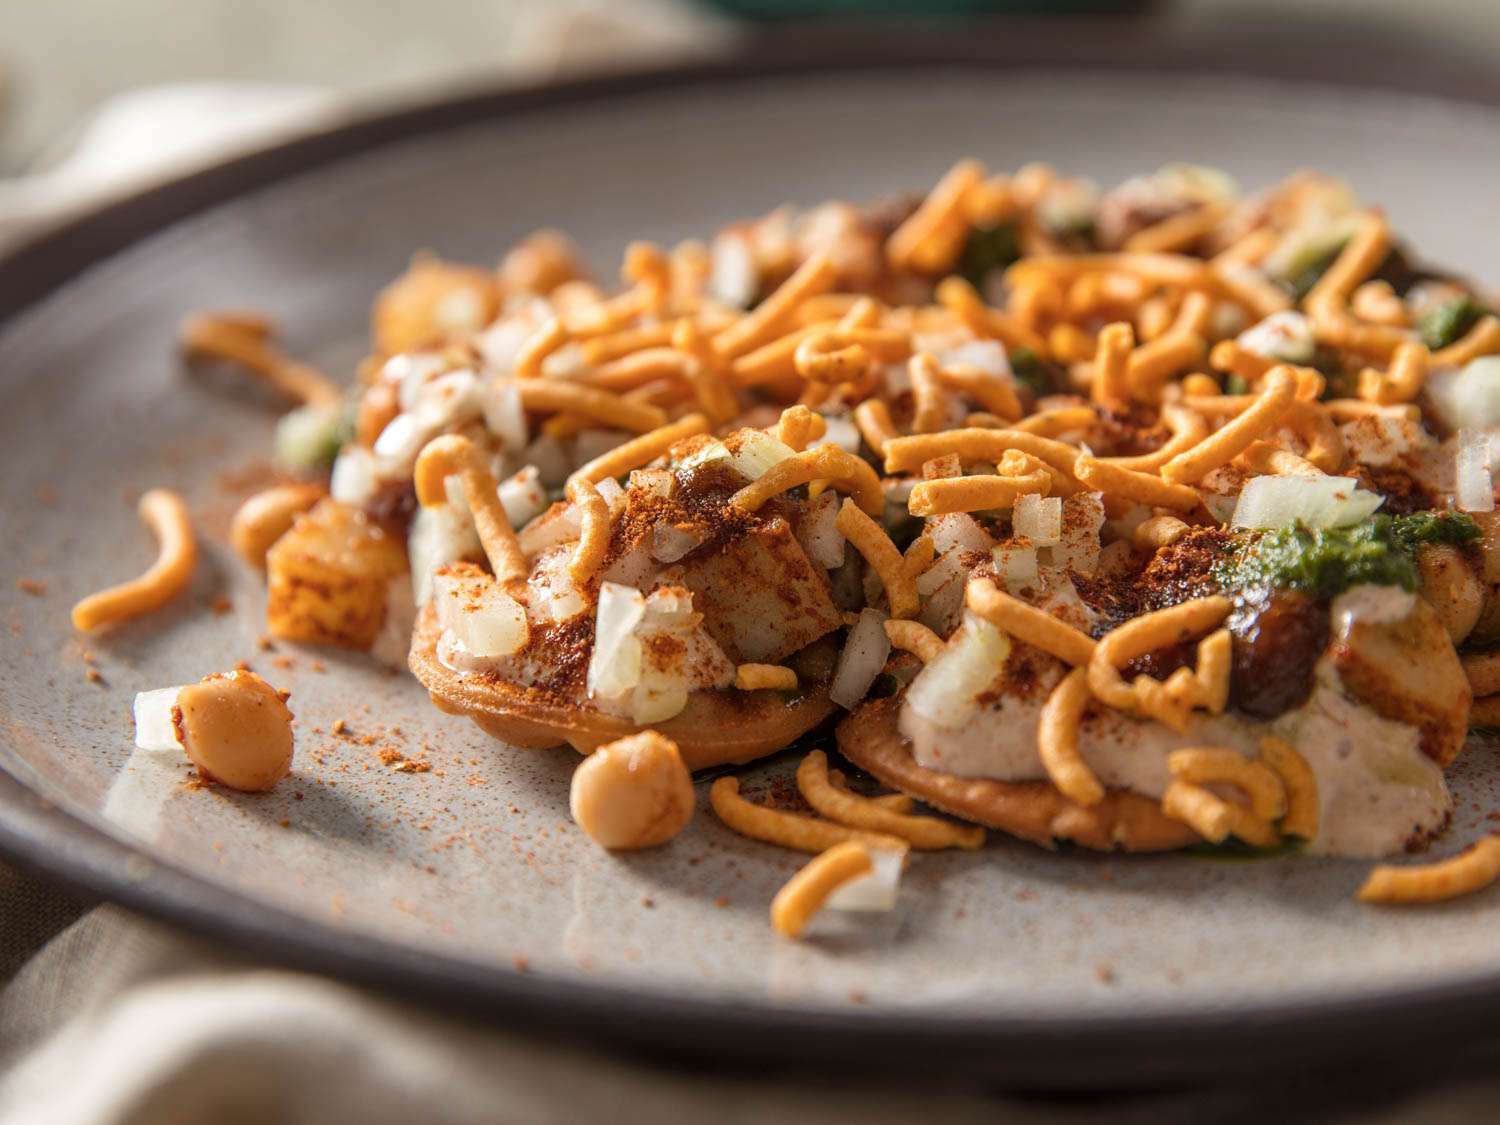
<point x="502" y="342"/>
<point x="861" y="660"/>
<point x="595" y="443"/>
<point x="523" y="497"/>
<point x="550" y="459"/>
<point x="947" y="567"/>
<point x="1286" y="335"/>
<point x="1469" y="397"/>
<point x="613" y="494"/>
<point x="484" y="618"/>
<point x="410" y="373"/>
<point x="733" y="277"/>
<point x="504" y="416"/>
<point x="1474" y="482"/>
<point x="898" y="491"/>
<point x="399" y="443"/>
<point x="659" y="483"/>
<point x="552" y="595"/>
<point x="635" y="568"/>
<point x="1038" y="518"/>
<point x="154" y="729"/>
<point x="946" y="690"/>
<point x="987" y="355"/>
<point x="841" y="432"/>
<point x="615" y="665"/>
<point x="670" y="542"/>
<point x="354" y="478"/>
<point x="559" y="525"/>
<point x="448" y="400"/>
<point x="754" y="452"/>
<point x="440" y="535"/>
<point x="875" y="891"/>
<point x="958" y="529"/>
<point x="1016" y="565"/>
<point x="819" y="534"/>
<point x="1269" y="502"/>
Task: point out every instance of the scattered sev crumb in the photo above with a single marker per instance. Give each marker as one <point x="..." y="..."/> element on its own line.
<point x="339" y="726"/>
<point x="284" y="662"/>
<point x="33" y="586"/>
<point x="648" y="902"/>
<point x="92" y="675"/>
<point x="856" y="996"/>
<point x="1105" y="972"/>
<point x="410" y="765"/>
<point x="722" y="901"/>
<point x="265" y="644"/>
<point x="242" y="665"/>
<point x="284" y="822"/>
<point x="221" y="605"/>
<point x="521" y="962"/>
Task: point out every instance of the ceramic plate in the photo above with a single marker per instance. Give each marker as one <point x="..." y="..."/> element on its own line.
<point x="469" y="882"/>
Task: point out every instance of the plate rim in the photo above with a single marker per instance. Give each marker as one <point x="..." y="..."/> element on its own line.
<point x="1043" y="1051"/>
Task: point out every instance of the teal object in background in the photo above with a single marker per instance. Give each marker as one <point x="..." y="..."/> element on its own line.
<point x="799" y="9"/>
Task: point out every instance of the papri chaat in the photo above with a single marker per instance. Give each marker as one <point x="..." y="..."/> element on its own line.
<point x="1144" y="518"/>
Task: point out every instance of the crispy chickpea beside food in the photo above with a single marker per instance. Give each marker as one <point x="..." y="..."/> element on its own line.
<point x="234" y="726"/>
<point x="632" y="793"/>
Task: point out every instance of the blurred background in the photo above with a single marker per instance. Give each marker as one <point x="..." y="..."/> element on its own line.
<point x="97" y="96"/>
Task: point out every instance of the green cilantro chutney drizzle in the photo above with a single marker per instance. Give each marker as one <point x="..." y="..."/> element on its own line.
<point x="1324" y="562"/>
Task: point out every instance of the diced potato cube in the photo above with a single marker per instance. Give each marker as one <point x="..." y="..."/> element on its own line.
<point x="762" y="599"/>
<point x="328" y="577"/>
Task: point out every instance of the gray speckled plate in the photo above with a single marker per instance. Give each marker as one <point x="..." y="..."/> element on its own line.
<point x="469" y="882"/>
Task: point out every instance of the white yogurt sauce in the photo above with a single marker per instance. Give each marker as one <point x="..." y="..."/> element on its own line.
<point x="1376" y="788"/>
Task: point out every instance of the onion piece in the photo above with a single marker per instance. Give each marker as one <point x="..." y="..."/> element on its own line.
<point x="399" y="443"/>
<point x="1474" y="482"/>
<point x="986" y="355"/>
<point x="595" y="443"/>
<point x="841" y="431"/>
<point x="1469" y="397"/>
<point x="733" y="278"/>
<point x="875" y="891"/>
<point x="670" y="542"/>
<point x="1269" y="502"/>
<point x="947" y="567"/>
<point x="448" y="399"/>
<point x="482" y="616"/>
<point x="440" y="535"/>
<point x="523" y="497"/>
<point x="1015" y="562"/>
<point x="354" y="478"/>
<point x="612" y="493"/>
<point x="411" y="373"/>
<point x="819" y="534"/>
<point x="863" y="656"/>
<point x="551" y="461"/>
<point x="958" y="529"/>
<point x="615" y="665"/>
<point x="658" y="483"/>
<point x="504" y="416"/>
<point x="947" y="688"/>
<point x="1285" y="335"/>
<point x="154" y="728"/>
<point x="1038" y="518"/>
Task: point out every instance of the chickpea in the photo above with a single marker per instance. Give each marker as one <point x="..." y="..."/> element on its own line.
<point x="632" y="793"/>
<point x="539" y="263"/>
<point x="267" y="516"/>
<point x="236" y="729"/>
<point x="1452" y="588"/>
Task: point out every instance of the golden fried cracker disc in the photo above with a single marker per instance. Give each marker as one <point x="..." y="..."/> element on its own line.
<point x="1032" y="810"/>
<point x="715" y="728"/>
